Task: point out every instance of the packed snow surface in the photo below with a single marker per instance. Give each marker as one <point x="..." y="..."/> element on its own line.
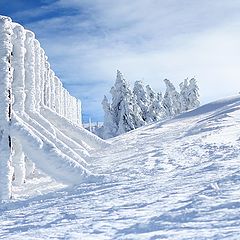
<point x="178" y="179"/>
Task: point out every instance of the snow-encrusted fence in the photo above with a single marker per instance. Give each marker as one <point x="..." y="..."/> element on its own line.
<point x="6" y="77"/>
<point x="37" y="112"/>
<point x="35" y="84"/>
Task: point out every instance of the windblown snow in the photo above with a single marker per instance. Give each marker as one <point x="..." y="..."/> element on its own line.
<point x="176" y="179"/>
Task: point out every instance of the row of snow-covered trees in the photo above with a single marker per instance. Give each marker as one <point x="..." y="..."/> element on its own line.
<point x="129" y="109"/>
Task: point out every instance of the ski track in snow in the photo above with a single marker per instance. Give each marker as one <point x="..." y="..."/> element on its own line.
<point x="178" y="179"/>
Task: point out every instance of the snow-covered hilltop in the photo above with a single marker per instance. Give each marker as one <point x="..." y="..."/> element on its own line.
<point x="40" y="122"/>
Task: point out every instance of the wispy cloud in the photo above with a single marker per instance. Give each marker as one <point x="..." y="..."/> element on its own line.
<point x="88" y="40"/>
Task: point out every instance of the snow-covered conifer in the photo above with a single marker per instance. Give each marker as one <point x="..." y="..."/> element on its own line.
<point x="154" y="106"/>
<point x="184" y="95"/>
<point x="156" y="110"/>
<point x="109" y="124"/>
<point x="193" y="94"/>
<point x="150" y="93"/>
<point x="171" y="100"/>
<point x="141" y="99"/>
<point x="122" y="105"/>
<point x="189" y="94"/>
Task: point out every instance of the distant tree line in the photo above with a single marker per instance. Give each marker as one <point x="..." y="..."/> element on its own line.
<point x="130" y="109"/>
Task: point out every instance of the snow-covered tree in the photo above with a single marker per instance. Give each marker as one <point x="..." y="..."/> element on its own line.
<point x="189" y="95"/>
<point x="141" y="99"/>
<point x="171" y="100"/>
<point x="123" y="105"/>
<point x="109" y="124"/>
<point x="184" y="95"/>
<point x="156" y="110"/>
<point x="150" y="93"/>
<point x="123" y="114"/>
<point x="193" y="94"/>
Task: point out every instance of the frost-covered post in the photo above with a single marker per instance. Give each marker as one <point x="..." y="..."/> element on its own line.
<point x="57" y="94"/>
<point x="6" y="75"/>
<point x="65" y="103"/>
<point x="62" y="101"/>
<point x="52" y="90"/>
<point x="37" y="74"/>
<point x="29" y="60"/>
<point x="18" y="87"/>
<point x="46" y="84"/>
<point x="79" y="111"/>
<point x="42" y="76"/>
<point x="18" y="84"/>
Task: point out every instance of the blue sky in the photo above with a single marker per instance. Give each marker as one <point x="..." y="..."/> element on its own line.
<point x="88" y="40"/>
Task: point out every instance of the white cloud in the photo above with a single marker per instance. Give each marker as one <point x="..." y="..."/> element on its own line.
<point x="144" y="39"/>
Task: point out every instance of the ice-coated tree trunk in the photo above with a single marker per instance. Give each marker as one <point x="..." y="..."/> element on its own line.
<point x="6" y="75"/>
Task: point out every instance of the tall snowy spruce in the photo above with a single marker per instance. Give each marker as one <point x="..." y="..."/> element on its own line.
<point x="171" y="100"/>
<point x="189" y="95"/>
<point x="193" y="94"/>
<point x="141" y="99"/>
<point x="109" y="124"/>
<point x="126" y="115"/>
<point x="184" y="95"/>
<point x="155" y="109"/>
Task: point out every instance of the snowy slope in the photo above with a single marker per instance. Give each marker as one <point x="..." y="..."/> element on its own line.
<point x="177" y="179"/>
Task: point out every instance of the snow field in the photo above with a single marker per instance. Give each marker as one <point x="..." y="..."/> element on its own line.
<point x="176" y="179"/>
